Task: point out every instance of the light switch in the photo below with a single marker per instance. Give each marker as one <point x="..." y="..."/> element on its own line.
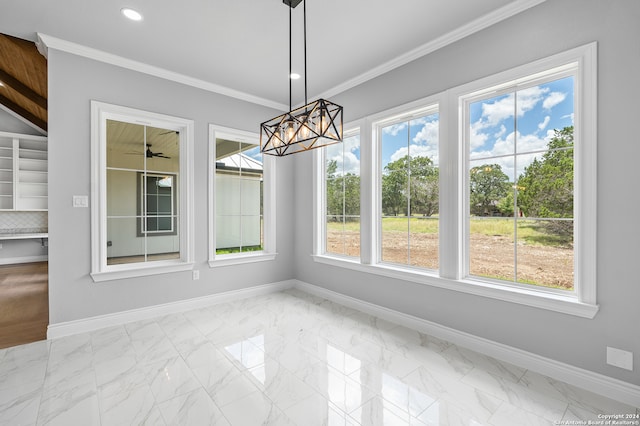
<point x="80" y="201"/>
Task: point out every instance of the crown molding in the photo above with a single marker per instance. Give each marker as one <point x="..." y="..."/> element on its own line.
<point x="472" y="27"/>
<point x="46" y="42"/>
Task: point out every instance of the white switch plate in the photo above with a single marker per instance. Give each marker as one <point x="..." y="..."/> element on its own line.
<point x="196" y="274"/>
<point x="80" y="201"/>
<point x="620" y="358"/>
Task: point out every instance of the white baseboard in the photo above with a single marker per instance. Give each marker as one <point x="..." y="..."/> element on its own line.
<point x="595" y="382"/>
<point x="84" y="325"/>
<point x="25" y="259"/>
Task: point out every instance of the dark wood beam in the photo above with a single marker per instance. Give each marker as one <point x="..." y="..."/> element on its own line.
<point x="23" y="112"/>
<point x="18" y="86"/>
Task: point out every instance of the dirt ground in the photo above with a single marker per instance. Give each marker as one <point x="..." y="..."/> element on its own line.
<point x="491" y="256"/>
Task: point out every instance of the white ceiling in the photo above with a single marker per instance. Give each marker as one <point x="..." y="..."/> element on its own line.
<point x="243" y="44"/>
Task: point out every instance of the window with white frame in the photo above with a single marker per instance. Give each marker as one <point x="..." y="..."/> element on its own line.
<point x="342" y="196"/>
<point x="157" y="204"/>
<point x="489" y="188"/>
<point x="409" y="194"/>
<point x="519" y="143"/>
<point x="141" y="198"/>
<point x="241" y="198"/>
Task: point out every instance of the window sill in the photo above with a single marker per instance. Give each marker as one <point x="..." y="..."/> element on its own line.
<point x="551" y="301"/>
<point x="118" y="272"/>
<point x="237" y="259"/>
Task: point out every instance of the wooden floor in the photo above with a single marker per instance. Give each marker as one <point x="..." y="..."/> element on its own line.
<point x="24" y="303"/>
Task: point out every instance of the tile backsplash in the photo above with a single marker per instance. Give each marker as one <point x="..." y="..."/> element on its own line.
<point x="21" y="222"/>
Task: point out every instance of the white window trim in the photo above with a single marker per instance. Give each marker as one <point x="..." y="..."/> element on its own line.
<point x="582" y="302"/>
<point x="268" y="208"/>
<point x="100" y="271"/>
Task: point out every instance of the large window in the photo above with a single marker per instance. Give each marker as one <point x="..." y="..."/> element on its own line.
<point x="241" y="198"/>
<point x="342" y="196"/>
<point x="520" y="150"/>
<point x="487" y="188"/>
<point x="141" y="192"/>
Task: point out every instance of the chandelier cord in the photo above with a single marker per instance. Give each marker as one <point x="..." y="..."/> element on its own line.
<point x="290" y="58"/>
<point x="304" y="12"/>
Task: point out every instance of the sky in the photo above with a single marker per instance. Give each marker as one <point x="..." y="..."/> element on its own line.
<point x="520" y="123"/>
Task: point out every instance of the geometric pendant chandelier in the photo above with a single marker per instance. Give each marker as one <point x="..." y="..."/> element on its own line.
<point x="314" y="125"/>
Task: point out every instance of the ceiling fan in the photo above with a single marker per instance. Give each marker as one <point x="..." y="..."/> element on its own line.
<point x="151" y="154"/>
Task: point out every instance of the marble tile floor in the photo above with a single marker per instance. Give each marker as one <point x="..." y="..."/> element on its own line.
<point x="281" y="359"/>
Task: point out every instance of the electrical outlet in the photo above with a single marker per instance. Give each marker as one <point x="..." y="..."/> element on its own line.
<point x="620" y="358"/>
<point x="196" y="274"/>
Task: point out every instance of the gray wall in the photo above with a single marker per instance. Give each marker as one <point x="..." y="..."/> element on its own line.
<point x="9" y="123"/>
<point x="75" y="81"/>
<point x="551" y="27"/>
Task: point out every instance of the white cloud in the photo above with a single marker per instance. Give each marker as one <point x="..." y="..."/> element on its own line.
<point x="504" y="149"/>
<point x="553" y="99"/>
<point x="570" y="116"/>
<point x="477" y="138"/>
<point x="351" y="163"/>
<point x="545" y="123"/>
<point x="417" y="151"/>
<point x="428" y="134"/>
<point x="496" y="112"/>
<point x="501" y="133"/>
<point x="394" y="129"/>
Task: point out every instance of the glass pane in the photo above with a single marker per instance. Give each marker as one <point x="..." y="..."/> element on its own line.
<point x="122" y="193"/>
<point x="335" y="196"/>
<point x="545" y="253"/>
<point x="162" y="150"/>
<point x="491" y="247"/>
<point x="491" y="187"/>
<point x="492" y="127"/>
<point x="152" y="224"/>
<point x="250" y="196"/>
<point x="251" y="233"/>
<point x="228" y="232"/>
<point x="125" y="145"/>
<point x="334" y="160"/>
<point x="351" y="236"/>
<point x="335" y="234"/>
<point x="395" y="239"/>
<point x="351" y="194"/>
<point x="165" y="223"/>
<point x="164" y="205"/>
<point x="423" y="242"/>
<point x="227" y="193"/>
<point x="124" y="244"/>
<point x="542" y="111"/>
<point x="395" y="152"/>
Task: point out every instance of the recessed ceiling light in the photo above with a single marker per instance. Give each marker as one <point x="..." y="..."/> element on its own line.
<point x="134" y="15"/>
<point x="294" y="76"/>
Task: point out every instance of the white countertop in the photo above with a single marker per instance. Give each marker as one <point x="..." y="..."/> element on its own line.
<point x="22" y="236"/>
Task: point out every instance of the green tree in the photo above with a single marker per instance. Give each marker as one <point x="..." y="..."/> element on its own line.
<point x="416" y="177"/>
<point x="343" y="193"/>
<point x="488" y="184"/>
<point x="424" y="186"/>
<point x="394" y="187"/>
<point x="546" y="186"/>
